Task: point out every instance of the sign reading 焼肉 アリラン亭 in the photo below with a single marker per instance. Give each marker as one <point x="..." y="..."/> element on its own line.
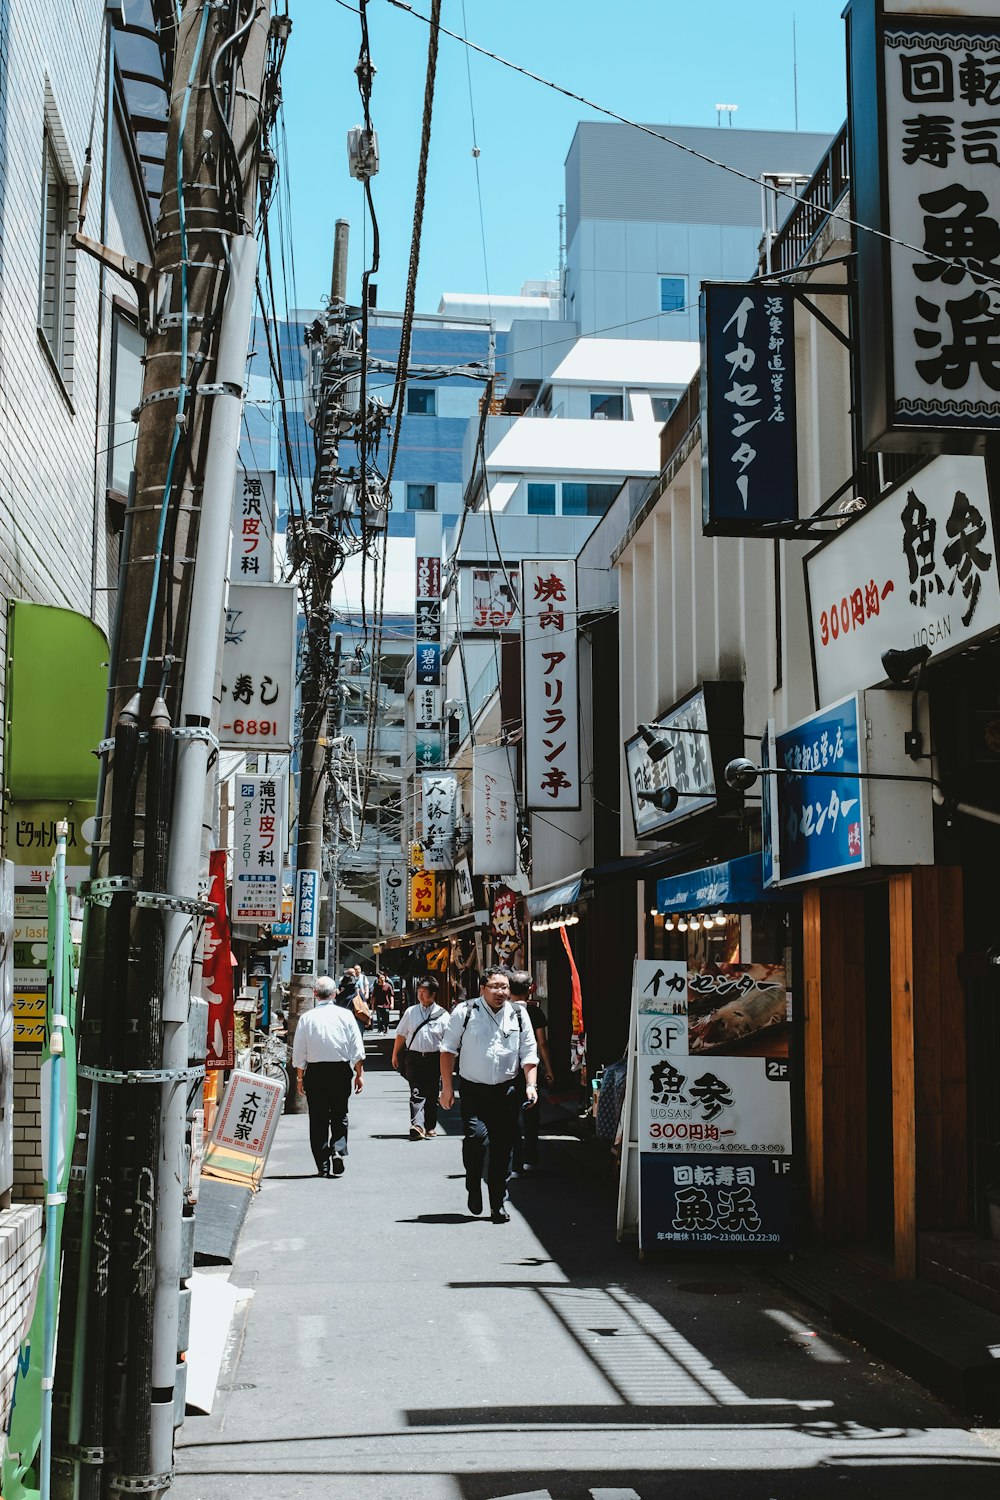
<point x="551" y="685"/>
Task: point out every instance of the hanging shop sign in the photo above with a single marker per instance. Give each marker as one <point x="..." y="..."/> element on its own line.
<point x="258" y="848"/>
<point x="918" y="569"/>
<point x="423" y="904"/>
<point x="835" y="812"/>
<point x="505" y="929"/>
<point x="217" y="970"/>
<point x="705" y="731"/>
<point x="258" y="667"/>
<point x="551" y="687"/>
<point x="7" y="921"/>
<point x="495" y="593"/>
<point x="749" y="455"/>
<point x="31" y="839"/>
<point x="463" y="885"/>
<point x="393" y="890"/>
<point x="494" y="811"/>
<point x="427" y="703"/>
<point x="925" y="152"/>
<point x="305" y="922"/>
<point x="733" y="883"/>
<point x="711" y="1073"/>
<point x="439" y="795"/>
<point x="56" y="696"/>
<point x="252" y="558"/>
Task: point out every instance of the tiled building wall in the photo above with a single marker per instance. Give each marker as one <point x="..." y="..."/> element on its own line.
<point x="20" y="1247"/>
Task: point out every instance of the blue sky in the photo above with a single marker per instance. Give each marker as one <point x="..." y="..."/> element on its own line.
<point x="658" y="61"/>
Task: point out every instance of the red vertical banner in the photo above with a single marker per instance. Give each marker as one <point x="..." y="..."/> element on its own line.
<point x="217" y="970"/>
<point x="574" y="973"/>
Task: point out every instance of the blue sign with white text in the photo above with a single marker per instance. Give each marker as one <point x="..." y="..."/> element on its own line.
<point x="821" y="813"/>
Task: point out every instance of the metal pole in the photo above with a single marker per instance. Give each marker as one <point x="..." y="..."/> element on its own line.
<point x="338" y="282"/>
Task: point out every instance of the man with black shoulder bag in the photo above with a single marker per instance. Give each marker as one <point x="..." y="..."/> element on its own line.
<point x="486" y="1043"/>
<point x="416" y="1055"/>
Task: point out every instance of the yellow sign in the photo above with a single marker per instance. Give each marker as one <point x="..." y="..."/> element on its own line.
<point x="416" y="857"/>
<point x="422" y="907"/>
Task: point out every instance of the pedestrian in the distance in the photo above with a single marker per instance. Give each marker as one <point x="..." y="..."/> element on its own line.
<point x="416" y="1054"/>
<point x="382" y="996"/>
<point x="327" y="1048"/>
<point x="486" y="1042"/>
<point x="526" y="1144"/>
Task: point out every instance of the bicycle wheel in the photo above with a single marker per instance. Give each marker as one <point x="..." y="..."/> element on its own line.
<point x="277" y="1073"/>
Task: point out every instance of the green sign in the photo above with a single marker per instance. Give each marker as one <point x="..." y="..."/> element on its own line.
<point x="57" y="681"/>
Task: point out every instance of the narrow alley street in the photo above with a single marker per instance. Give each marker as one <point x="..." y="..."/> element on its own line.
<point x="395" y="1348"/>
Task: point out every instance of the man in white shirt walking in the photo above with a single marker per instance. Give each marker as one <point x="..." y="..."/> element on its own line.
<point x="485" y="1043"/>
<point x="327" y="1046"/>
<point x="416" y="1055"/>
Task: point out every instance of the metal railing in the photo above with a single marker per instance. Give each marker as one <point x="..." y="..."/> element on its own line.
<point x="817" y="201"/>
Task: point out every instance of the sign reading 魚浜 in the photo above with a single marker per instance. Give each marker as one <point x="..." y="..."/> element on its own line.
<point x="258" y="847"/>
<point x="918" y="569"/>
<point x="494" y="811"/>
<point x="924" y="170"/>
<point x="252" y="559"/>
<point x="749" y="456"/>
<point x="393" y="890"/>
<point x="305" y="922"/>
<point x="551" y="694"/>
<point x="258" y="667"/>
<point x="821" y="795"/>
<point x="439" y="795"/>
<point x="712" y="1079"/>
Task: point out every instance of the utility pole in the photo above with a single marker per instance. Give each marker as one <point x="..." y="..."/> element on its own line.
<point x="120" y="1376"/>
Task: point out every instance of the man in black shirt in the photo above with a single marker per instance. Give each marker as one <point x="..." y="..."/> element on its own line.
<point x="526" y="1145"/>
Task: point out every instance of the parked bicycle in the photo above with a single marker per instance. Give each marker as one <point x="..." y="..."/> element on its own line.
<point x="269" y="1057"/>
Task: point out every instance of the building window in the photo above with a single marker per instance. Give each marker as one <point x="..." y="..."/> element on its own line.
<point x="588" y="499"/>
<point x="127" y="346"/>
<point x="673" y="293"/>
<point x="420" y="497"/>
<point x="663" y="406"/>
<point x="53" y="252"/>
<point x="607" y="408"/>
<point x="541" y="499"/>
<point x="421" y="401"/>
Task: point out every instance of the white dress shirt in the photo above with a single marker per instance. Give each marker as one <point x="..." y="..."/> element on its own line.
<point x="327" y="1033"/>
<point x="428" y="1038"/>
<point x="493" y="1045"/>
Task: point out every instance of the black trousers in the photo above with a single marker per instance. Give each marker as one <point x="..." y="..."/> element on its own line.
<point x="328" y="1094"/>
<point x="489" y="1115"/>
<point x="423" y="1074"/>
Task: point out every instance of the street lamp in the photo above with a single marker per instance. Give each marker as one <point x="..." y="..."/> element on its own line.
<point x="665" y="798"/>
<point x="899" y="667"/>
<point x="657" y="748"/>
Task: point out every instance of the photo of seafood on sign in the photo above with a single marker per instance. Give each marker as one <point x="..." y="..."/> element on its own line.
<point x="738" y="1010"/>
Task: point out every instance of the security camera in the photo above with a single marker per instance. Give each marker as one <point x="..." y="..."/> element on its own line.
<point x="900" y="665"/>
<point x="741" y="774"/>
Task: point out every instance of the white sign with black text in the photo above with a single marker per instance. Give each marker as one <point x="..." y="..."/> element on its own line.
<point x="551" y="685"/>
<point x="494" y="811"/>
<point x="258" y="847"/>
<point x="258" y="667"/>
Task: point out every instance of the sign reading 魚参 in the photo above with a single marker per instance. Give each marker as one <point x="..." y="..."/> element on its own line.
<point x="258" y="667"/>
<point x="551" y="695"/>
<point x="749" y="455"/>
<point x="258" y="848"/>
<point x="918" y="569"/>
<point x="712" y="1077"/>
<point x="924" y="170"/>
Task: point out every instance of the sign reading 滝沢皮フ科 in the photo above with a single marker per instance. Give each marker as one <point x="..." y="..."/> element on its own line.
<point x="252" y="558"/>
<point x="924" y="172"/>
<point x="258" y="848"/>
<point x="918" y="569"/>
<point x="749" y="456"/>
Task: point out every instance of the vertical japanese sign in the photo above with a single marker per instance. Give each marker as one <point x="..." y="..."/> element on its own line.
<point x="305" y="922"/>
<point x="714" y="1109"/>
<point x="393" y="882"/>
<point x="505" y="929"/>
<point x="918" y="569"/>
<point x="439" y="797"/>
<point x="930" y="298"/>
<point x="217" y="970"/>
<point x="551" y="690"/>
<point x="429" y="749"/>
<point x="252" y="559"/>
<point x="423" y="905"/>
<point x="822" y="818"/>
<point x="749" y="450"/>
<point x="244" y="1129"/>
<point x="494" y="811"/>
<point x="259" y="848"/>
<point x="258" y="667"/>
<point x="31" y="935"/>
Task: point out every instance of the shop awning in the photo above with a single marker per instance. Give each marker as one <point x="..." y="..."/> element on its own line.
<point x="638" y="866"/>
<point x="734" y="883"/>
<point x="548" y="897"/>
<point x="472" y="922"/>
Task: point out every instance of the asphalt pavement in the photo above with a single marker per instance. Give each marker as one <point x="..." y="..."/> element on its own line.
<point x="396" y="1348"/>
